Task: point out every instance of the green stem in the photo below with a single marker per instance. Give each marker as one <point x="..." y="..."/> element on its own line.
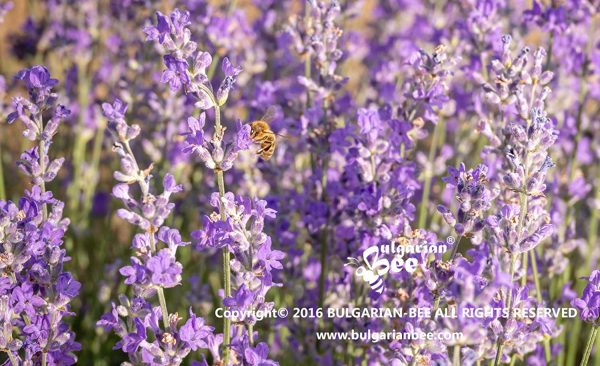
<point x="563" y="335"/>
<point x="593" y="228"/>
<point x="455" y="249"/>
<point x="324" y="238"/>
<point x="569" y="354"/>
<point x="212" y="68"/>
<point x="307" y="60"/>
<point x="500" y="344"/>
<point x="163" y="307"/>
<point x="592" y="242"/>
<point x="589" y="347"/>
<point x="550" y="49"/>
<point x="524" y="203"/>
<point x="523" y="197"/>
<point x="428" y="175"/>
<point x="499" y="350"/>
<point x="42" y="152"/>
<point x="373" y="167"/>
<point x="251" y="334"/>
<point x="227" y="289"/>
<point x="226" y="252"/>
<point x="538" y="292"/>
<point x="536" y="276"/>
<point x="525" y="264"/>
<point x="484" y="71"/>
<point x="349" y="353"/>
<point x="81" y="139"/>
<point x="323" y="268"/>
<point x="413" y="362"/>
<point x="578" y="121"/>
<point x="597" y="354"/>
<point x="232" y="5"/>
<point x="13" y="360"/>
<point x="96" y="152"/>
<point x="456" y="355"/>
<point x="436" y="304"/>
<point x="160" y="291"/>
<point x="2" y="190"/>
<point x="573" y="341"/>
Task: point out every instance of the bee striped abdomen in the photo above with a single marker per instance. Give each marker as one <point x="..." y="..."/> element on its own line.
<point x="262" y="135"/>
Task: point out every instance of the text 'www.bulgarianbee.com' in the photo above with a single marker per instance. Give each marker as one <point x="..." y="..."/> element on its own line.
<point x="374" y="337"/>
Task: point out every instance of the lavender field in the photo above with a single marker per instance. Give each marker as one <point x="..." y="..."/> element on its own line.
<point x="300" y="182"/>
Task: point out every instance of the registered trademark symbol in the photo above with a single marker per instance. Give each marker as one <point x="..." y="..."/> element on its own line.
<point x="450" y="240"/>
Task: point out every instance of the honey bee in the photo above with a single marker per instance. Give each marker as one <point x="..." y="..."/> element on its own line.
<point x="262" y="135"/>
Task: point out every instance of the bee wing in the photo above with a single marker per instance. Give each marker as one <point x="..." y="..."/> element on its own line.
<point x="270" y="114"/>
<point x="287" y="137"/>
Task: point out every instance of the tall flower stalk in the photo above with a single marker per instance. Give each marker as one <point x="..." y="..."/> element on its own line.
<point x="154" y="266"/>
<point x="316" y="39"/>
<point x="174" y="36"/>
<point x="588" y="306"/>
<point x="253" y="258"/>
<point x="36" y="292"/>
<point x="522" y="138"/>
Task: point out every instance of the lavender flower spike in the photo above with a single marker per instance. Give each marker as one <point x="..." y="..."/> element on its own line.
<point x="154" y="266"/>
<point x="36" y="292"/>
<point x="589" y="311"/>
<point x="253" y="258"/>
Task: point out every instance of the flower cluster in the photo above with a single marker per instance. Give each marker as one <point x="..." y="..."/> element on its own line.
<point x="253" y="264"/>
<point x="473" y="196"/>
<point x="316" y="37"/>
<point x="523" y="139"/>
<point x="154" y="266"/>
<point x="589" y="303"/>
<point x="36" y="291"/>
<point x="212" y="151"/>
<point x="237" y="227"/>
<point x="182" y="55"/>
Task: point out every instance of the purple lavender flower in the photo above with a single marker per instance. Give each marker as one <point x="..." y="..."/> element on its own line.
<point x="270" y="258"/>
<point x="473" y="196"/>
<point x="589" y="311"/>
<point x="152" y="269"/>
<point x="195" y="333"/>
<point x="238" y="224"/>
<point x="37" y="292"/>
<point x="227" y="84"/>
<point x="176" y="73"/>
<point x="589" y="302"/>
<point x="258" y="356"/>
<point x="164" y="269"/>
